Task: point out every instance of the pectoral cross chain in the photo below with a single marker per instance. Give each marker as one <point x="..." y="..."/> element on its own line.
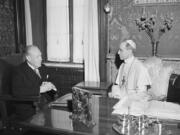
<point x="123" y="80"/>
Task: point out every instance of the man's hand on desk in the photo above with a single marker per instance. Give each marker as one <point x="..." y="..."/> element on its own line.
<point x="47" y="86"/>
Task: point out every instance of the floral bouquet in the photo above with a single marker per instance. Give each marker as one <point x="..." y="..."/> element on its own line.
<point x="149" y="26"/>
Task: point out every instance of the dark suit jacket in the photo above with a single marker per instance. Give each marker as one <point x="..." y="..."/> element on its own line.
<point x="27" y="83"/>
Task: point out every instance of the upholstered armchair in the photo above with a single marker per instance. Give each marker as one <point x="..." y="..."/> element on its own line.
<point x="165" y="83"/>
<point x="6" y="99"/>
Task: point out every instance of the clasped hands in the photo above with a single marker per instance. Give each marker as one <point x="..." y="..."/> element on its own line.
<point x="47" y="86"/>
<point x="120" y="93"/>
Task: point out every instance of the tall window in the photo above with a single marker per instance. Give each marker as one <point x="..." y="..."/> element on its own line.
<point x="65" y="30"/>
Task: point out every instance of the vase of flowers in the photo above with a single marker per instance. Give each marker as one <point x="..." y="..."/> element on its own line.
<point x="155" y="48"/>
<point x="148" y="24"/>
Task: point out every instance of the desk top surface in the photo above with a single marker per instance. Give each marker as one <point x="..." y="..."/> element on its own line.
<point x="94" y="85"/>
<point x="58" y="120"/>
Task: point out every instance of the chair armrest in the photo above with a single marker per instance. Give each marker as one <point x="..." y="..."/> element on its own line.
<point x="174" y="89"/>
<point x="172" y="79"/>
<point x="15" y="98"/>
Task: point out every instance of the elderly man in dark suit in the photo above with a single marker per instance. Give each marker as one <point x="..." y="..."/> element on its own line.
<point x="31" y="79"/>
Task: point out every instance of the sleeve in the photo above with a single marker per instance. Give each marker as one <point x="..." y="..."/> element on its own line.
<point x="144" y="79"/>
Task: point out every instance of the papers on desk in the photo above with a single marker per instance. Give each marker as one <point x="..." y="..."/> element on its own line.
<point x="157" y="109"/>
<point x="164" y="110"/>
<point x="133" y="107"/>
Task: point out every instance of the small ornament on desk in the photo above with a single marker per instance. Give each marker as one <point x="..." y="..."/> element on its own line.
<point x="137" y="125"/>
<point x="123" y="125"/>
<point x="81" y="107"/>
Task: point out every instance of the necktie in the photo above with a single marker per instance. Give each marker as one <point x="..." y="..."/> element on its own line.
<point x="37" y="72"/>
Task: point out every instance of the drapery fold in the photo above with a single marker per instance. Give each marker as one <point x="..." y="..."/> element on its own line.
<point x="29" y="40"/>
<point x="91" y="42"/>
<point x="38" y="18"/>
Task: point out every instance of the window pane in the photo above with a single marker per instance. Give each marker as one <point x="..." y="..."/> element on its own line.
<point x="58" y="30"/>
<point x="78" y="29"/>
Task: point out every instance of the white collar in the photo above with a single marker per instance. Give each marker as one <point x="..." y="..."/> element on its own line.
<point x="129" y="60"/>
<point x="33" y="68"/>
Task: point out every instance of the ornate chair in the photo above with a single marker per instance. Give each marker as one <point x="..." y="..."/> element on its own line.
<point x="6" y="99"/>
<point x="165" y="84"/>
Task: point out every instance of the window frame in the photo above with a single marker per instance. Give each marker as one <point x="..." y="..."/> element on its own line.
<point x="71" y="36"/>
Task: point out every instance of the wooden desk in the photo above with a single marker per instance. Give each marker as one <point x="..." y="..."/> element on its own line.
<point x="97" y="88"/>
<point x="56" y="120"/>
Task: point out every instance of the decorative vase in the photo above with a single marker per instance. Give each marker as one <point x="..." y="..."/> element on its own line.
<point x="155" y="48"/>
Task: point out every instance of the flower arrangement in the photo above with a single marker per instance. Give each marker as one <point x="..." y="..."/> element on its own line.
<point x="149" y="26"/>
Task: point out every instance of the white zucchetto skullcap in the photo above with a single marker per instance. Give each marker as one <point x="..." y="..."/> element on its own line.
<point x="131" y="43"/>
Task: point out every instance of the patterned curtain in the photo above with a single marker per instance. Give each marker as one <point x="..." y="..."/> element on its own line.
<point x="7" y="28"/>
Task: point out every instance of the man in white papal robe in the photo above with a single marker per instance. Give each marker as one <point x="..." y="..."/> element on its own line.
<point x="133" y="78"/>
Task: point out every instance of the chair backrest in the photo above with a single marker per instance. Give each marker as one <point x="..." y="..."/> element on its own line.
<point x="160" y="76"/>
<point x="5" y="77"/>
<point x="6" y="69"/>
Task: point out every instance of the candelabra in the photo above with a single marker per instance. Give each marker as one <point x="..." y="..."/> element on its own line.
<point x="137" y="125"/>
<point x="149" y="25"/>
